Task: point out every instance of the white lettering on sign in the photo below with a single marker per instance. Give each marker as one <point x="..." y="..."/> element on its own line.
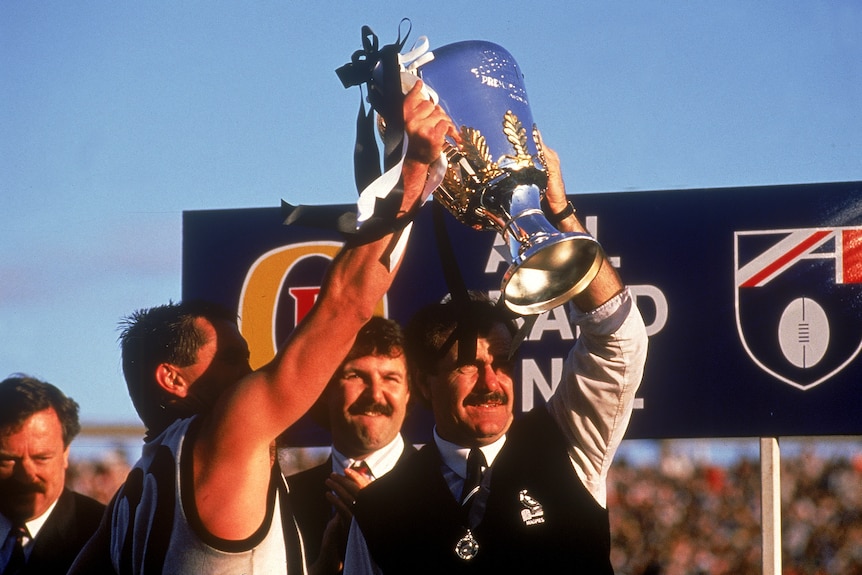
<point x="556" y="320"/>
<point x="659" y="303"/>
<point x="532" y="379"/>
<point x="534" y="383"/>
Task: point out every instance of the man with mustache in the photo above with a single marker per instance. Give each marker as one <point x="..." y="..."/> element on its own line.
<point x="52" y="523"/>
<point x="538" y="504"/>
<point x="363" y="406"/>
<point x="205" y="496"/>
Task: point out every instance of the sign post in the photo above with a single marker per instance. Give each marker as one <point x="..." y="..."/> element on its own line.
<point x="770" y="503"/>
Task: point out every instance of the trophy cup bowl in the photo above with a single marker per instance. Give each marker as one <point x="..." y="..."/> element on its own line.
<point x="496" y="178"/>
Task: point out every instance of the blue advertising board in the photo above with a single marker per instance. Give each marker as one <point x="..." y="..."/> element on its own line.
<point x="752" y="299"/>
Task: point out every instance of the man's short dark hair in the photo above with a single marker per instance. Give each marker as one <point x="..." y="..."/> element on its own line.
<point x="22" y="396"/>
<point x="162" y="334"/>
<point x="380" y="336"/>
<point x="430" y="333"/>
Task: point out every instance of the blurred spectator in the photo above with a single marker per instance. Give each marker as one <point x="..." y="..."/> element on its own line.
<point x="705" y="519"/>
<point x="676" y="517"/>
<point x="99" y="478"/>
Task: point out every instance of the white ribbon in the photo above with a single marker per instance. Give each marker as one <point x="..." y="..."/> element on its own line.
<point x="410" y="63"/>
<point x="382" y="186"/>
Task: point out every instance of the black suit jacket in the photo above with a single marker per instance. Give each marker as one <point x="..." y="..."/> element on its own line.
<point x="310" y="507"/>
<point x="67" y="529"/>
<point x="539" y="517"/>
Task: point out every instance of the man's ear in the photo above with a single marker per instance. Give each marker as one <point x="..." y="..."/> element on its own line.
<point x="169" y="378"/>
<point x="423" y="386"/>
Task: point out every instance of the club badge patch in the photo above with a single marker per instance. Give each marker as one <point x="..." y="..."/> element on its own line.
<point x="532" y="512"/>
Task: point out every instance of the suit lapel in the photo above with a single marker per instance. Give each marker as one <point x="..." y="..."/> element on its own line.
<point x="55" y="529"/>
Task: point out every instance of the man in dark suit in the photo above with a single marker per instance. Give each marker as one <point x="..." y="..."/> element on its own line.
<point x="364" y="406"/>
<point x="43" y="525"/>
<point x="491" y="494"/>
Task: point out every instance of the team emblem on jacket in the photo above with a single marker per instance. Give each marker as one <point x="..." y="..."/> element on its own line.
<point x="532" y="513"/>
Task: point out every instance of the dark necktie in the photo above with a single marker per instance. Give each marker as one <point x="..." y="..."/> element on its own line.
<point x="475" y="466"/>
<point x="16" y="559"/>
<point x="363" y="469"/>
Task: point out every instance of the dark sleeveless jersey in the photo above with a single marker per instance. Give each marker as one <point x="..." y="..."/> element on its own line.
<point x="155" y="527"/>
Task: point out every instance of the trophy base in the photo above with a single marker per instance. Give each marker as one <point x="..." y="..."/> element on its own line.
<point x="550" y="273"/>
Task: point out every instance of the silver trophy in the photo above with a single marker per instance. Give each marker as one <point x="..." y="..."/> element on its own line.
<point x="497" y="177"/>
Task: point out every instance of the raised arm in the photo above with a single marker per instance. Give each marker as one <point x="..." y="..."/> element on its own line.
<point x="593" y="403"/>
<point x="607" y="282"/>
<point x="232" y="451"/>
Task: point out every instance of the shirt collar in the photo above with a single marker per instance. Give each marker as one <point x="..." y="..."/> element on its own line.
<point x="379" y="462"/>
<point x="33" y="525"/>
<point x="455" y="456"/>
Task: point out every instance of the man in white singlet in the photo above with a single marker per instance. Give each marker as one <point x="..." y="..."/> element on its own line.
<point x="204" y="497"/>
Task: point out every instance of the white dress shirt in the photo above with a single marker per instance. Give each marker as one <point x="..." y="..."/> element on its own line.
<point x="380" y="462"/>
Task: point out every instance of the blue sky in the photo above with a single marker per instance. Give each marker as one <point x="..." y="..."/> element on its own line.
<point x="115" y="117"/>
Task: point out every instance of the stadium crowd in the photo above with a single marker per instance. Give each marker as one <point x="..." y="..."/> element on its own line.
<point x="681" y="518"/>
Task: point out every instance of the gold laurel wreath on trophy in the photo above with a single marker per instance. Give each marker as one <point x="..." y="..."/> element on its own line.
<point x="472" y="169"/>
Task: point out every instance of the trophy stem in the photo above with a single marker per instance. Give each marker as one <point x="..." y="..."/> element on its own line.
<point x="548" y="266"/>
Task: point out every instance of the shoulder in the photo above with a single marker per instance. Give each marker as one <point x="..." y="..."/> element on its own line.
<point x="83" y="508"/>
<point x="535" y="435"/>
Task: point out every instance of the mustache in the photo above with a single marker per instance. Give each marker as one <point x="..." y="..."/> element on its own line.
<point x="15" y="488"/>
<point x="490" y="397"/>
<point x="373" y="407"/>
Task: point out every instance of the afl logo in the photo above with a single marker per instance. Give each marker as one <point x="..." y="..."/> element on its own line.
<point x="799" y="301"/>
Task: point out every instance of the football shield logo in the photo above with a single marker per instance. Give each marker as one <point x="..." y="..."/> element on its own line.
<point x="799" y="301"/>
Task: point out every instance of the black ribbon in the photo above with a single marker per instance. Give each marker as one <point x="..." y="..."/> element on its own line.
<point x="386" y="99"/>
<point x="466" y="332"/>
<point x="344" y="221"/>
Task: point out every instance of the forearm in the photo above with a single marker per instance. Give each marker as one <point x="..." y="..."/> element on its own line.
<point x="356" y="283"/>
<point x="604" y="286"/>
<point x="262" y="405"/>
<point x="607" y="283"/>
